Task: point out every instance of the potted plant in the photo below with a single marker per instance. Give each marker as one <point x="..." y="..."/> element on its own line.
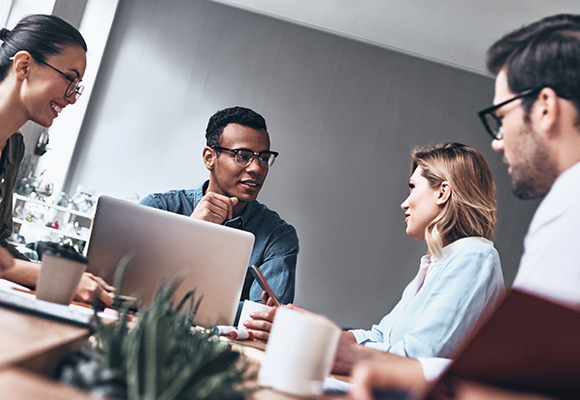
<point x="158" y="356"/>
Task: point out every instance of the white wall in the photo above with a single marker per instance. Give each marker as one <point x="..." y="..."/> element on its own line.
<point x="343" y="115"/>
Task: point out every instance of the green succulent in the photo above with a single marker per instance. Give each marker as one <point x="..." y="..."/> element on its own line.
<point x="160" y="356"/>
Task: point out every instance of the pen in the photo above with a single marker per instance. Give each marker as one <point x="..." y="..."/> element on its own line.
<point x="241" y="334"/>
<point x="233" y="332"/>
<point x="224" y="329"/>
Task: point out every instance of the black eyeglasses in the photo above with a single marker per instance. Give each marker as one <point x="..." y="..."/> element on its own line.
<point x="492" y="122"/>
<point x="244" y="157"/>
<point x="74" y="86"/>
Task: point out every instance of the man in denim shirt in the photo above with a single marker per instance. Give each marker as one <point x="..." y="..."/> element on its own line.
<point x="238" y="157"/>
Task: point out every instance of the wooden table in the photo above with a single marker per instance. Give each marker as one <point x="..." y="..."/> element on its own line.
<point x="22" y="384"/>
<point x="35" y="343"/>
<point x="30" y="350"/>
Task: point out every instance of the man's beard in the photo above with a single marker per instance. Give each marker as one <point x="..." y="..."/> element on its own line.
<point x="534" y="175"/>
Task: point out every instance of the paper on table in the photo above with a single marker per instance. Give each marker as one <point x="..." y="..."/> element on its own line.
<point x="336" y="385"/>
<point x="15" y="296"/>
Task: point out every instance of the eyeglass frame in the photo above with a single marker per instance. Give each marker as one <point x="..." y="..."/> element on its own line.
<point x="492" y="109"/>
<point x="254" y="156"/>
<point x="76" y="89"/>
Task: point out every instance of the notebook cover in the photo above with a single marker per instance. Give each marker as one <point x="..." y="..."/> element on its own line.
<point x="527" y="344"/>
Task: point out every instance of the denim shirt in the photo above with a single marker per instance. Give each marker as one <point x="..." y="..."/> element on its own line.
<point x="275" y="249"/>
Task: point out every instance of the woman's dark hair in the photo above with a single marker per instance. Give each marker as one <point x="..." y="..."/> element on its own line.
<point x="41" y="35"/>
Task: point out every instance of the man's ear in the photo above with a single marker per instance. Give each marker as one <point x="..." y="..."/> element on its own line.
<point x="546" y="110"/>
<point x="443" y="194"/>
<point x="209" y="156"/>
<point x="21" y="63"/>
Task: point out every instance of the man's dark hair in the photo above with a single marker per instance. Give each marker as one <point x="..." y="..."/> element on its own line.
<point x="233" y="115"/>
<point x="545" y="53"/>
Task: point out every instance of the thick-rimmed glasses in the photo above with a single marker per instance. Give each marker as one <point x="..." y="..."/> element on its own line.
<point x="244" y="157"/>
<point x="492" y="122"/>
<point x="74" y="86"/>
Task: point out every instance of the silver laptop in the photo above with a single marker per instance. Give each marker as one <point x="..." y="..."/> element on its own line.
<point x="210" y="258"/>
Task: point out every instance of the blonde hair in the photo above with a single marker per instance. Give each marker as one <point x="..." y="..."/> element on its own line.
<point x="471" y="209"/>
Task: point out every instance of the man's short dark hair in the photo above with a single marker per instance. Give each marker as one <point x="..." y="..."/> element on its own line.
<point x="233" y="115"/>
<point x="545" y="53"/>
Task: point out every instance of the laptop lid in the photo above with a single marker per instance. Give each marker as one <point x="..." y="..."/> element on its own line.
<point x="527" y="344"/>
<point x="210" y="258"/>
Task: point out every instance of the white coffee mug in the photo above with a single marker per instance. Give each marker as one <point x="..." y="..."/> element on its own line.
<point x="300" y="352"/>
<point x="60" y="274"/>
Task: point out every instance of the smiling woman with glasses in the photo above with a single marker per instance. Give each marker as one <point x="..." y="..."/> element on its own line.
<point x="30" y="54"/>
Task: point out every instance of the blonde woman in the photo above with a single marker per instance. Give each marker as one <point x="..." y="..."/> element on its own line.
<point x="451" y="207"/>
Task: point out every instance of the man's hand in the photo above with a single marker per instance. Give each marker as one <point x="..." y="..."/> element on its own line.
<point x="215" y="208"/>
<point x="6" y="260"/>
<point x="91" y="286"/>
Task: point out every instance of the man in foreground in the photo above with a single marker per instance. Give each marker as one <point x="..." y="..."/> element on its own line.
<point x="535" y="124"/>
<point x="238" y="157"/>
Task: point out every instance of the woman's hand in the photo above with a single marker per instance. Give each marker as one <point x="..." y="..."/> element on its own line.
<point x="260" y="323"/>
<point x="91" y="286"/>
<point x="267" y="300"/>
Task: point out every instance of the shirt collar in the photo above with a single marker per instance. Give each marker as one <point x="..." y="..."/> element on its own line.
<point x="453" y="248"/>
<point x="242" y="219"/>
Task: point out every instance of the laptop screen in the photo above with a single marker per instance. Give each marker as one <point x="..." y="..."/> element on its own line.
<point x="210" y="258"/>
